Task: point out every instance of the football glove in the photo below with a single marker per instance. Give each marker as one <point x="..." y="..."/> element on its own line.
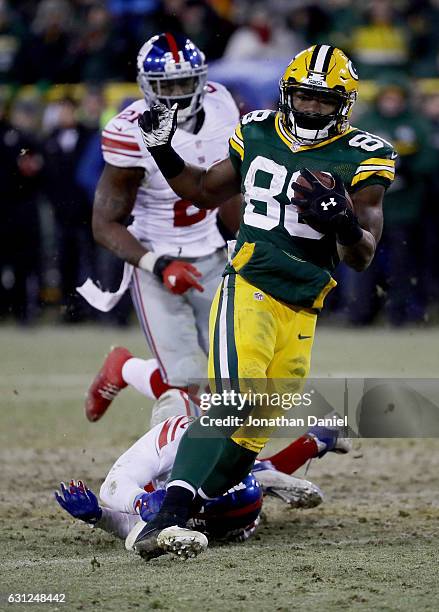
<point x="147" y="505"/>
<point x="177" y="275"/>
<point x="158" y="124"/>
<point x="326" y="209"/>
<point x="79" y="501"/>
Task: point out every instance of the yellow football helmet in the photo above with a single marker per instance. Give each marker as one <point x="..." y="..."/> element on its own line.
<point x="326" y="72"/>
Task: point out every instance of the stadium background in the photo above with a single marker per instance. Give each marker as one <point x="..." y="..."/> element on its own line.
<point x="65" y="67"/>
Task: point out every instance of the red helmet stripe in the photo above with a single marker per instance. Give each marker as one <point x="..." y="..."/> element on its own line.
<point x="172" y="46"/>
<point x="244" y="510"/>
<point x="231" y="513"/>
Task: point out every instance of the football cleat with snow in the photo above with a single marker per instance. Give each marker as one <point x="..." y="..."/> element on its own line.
<point x="143" y="540"/>
<point x="296" y="492"/>
<point x="329" y="441"/>
<point x="182" y="542"/>
<point x="107" y="383"/>
<point x="149" y="541"/>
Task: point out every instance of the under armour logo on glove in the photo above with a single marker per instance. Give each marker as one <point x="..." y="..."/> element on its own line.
<point x="331" y="202"/>
<point x="158" y="124"/>
<point x="326" y="209"/>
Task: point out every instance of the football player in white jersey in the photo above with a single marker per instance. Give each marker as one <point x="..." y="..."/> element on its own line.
<point x="174" y="252"/>
<point x="133" y="490"/>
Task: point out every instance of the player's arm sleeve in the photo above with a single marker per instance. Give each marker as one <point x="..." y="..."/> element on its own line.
<point x="378" y="169"/>
<point x="117" y="523"/>
<point x="138" y="466"/>
<point x="236" y="148"/>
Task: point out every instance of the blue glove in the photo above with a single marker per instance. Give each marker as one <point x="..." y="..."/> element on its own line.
<point x="148" y="504"/>
<point x="79" y="501"/>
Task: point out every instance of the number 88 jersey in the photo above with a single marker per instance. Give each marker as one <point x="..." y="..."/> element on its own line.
<point x="269" y="161"/>
<point x="162" y="220"/>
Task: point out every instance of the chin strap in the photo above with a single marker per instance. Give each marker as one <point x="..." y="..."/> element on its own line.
<point x="310" y="141"/>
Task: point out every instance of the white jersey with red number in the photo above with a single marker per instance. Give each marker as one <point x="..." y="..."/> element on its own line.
<point x="164" y="221"/>
<point x="145" y="466"/>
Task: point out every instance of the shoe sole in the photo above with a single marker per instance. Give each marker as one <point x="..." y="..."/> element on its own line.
<point x="298" y="499"/>
<point x="131" y="538"/>
<point x="182" y="545"/>
<point x="295" y="492"/>
<point x="343" y="446"/>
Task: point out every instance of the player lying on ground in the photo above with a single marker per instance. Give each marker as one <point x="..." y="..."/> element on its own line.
<point x="295" y="227"/>
<point x="174" y="253"/>
<point x="134" y="488"/>
<point x="233" y="517"/>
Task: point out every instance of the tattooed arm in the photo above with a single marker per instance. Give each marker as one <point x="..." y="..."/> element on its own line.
<point x="114" y="201"/>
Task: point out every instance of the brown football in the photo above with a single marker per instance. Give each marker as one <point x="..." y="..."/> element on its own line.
<point x="325" y="178"/>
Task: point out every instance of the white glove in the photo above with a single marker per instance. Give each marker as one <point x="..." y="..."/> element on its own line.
<point x="158" y="124"/>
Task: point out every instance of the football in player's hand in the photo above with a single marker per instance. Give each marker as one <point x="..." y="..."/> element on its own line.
<point x="325" y="178"/>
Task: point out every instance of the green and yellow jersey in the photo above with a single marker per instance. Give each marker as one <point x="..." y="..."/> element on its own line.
<point x="287" y="259"/>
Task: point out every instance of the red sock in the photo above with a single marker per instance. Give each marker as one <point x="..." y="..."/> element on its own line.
<point x="295" y="455"/>
<point x="158" y="385"/>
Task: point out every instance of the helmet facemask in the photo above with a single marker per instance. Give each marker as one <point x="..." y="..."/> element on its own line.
<point x="186" y="87"/>
<point x="311" y="127"/>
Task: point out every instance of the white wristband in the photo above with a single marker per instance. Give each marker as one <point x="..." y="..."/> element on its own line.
<point x="147" y="261"/>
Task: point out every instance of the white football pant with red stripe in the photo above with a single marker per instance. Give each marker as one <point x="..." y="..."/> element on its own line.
<point x="172" y="403"/>
<point x="176" y="327"/>
<point x="145" y="466"/>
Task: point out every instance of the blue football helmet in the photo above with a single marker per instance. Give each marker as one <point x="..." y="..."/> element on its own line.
<point x="170" y="69"/>
<point x="235" y="514"/>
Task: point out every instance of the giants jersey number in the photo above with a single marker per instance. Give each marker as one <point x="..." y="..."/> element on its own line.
<point x="162" y="220"/>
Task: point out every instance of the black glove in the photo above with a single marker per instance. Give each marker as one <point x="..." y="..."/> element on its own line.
<point x="326" y="209"/>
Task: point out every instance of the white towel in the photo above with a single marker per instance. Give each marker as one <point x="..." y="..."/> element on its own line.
<point x="105" y="300"/>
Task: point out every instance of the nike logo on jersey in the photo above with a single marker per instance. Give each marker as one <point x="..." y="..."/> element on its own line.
<point x="303" y="337"/>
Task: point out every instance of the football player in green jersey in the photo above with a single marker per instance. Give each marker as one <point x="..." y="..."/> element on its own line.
<point x="292" y="235"/>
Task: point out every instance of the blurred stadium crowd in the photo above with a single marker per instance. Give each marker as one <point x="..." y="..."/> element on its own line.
<point x="50" y="135"/>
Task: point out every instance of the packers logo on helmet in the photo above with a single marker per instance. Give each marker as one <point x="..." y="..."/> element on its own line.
<point x="323" y="73"/>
